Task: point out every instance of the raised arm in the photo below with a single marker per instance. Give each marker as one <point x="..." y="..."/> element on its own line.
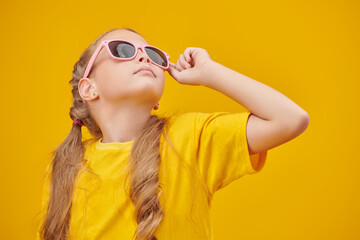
<point x="275" y="119"/>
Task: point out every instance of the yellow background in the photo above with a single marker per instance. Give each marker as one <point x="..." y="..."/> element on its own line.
<point x="307" y="50"/>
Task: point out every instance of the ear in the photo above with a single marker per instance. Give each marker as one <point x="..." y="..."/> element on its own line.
<point x="86" y="89"/>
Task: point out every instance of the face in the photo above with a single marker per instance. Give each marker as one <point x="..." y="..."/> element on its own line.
<point x="116" y="81"/>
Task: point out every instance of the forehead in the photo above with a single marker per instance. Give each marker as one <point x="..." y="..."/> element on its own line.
<point x="125" y="35"/>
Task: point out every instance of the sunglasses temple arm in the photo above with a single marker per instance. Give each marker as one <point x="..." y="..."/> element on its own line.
<point x="92" y="60"/>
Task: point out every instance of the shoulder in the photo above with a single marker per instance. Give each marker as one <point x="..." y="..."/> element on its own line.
<point x="203" y="119"/>
<point x="182" y="119"/>
<point x="181" y="126"/>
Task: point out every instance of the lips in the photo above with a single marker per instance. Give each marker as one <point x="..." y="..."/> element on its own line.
<point x="145" y="68"/>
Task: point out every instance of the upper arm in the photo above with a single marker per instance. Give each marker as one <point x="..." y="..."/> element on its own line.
<point x="263" y="135"/>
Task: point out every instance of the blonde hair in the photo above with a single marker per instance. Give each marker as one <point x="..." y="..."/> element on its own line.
<point x="68" y="159"/>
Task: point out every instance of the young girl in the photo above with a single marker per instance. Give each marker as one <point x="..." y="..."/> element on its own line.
<point x="143" y="176"/>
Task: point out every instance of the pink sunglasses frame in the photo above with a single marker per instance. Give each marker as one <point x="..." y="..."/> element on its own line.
<point x="105" y="43"/>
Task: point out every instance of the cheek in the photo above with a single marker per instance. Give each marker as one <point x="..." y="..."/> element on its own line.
<point x="113" y="82"/>
<point x="114" y="75"/>
<point x="115" y="70"/>
<point x="110" y="88"/>
<point x="162" y="81"/>
<point x="160" y="78"/>
<point x="160" y="74"/>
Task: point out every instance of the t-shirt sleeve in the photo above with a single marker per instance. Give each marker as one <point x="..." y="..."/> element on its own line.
<point x="222" y="149"/>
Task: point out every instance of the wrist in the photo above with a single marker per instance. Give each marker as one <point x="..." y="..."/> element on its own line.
<point x="210" y="73"/>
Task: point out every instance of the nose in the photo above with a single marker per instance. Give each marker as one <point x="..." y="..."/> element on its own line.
<point x="141" y="56"/>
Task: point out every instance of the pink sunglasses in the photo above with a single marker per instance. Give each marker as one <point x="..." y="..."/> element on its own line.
<point x="125" y="50"/>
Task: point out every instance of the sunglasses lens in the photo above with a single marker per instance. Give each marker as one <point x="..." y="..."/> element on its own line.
<point x="125" y="50"/>
<point x="121" y="49"/>
<point x="156" y="56"/>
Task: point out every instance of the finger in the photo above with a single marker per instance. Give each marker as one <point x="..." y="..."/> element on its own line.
<point x="173" y="71"/>
<point x="189" y="53"/>
<point x="172" y="64"/>
<point x="178" y="66"/>
<point x="172" y="68"/>
<point x="183" y="62"/>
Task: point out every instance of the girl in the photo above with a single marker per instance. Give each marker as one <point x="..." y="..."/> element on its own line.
<point x="144" y="176"/>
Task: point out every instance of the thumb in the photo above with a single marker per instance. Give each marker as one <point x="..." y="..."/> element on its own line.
<point x="173" y="71"/>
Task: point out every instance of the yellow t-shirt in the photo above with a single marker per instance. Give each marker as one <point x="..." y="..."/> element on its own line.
<point x="213" y="152"/>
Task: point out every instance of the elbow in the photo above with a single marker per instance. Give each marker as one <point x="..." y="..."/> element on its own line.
<point x="301" y="123"/>
<point x="304" y="120"/>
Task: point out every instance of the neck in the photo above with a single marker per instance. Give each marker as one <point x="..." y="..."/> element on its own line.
<point x="121" y="123"/>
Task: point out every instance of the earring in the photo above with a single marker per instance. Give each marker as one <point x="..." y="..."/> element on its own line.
<point x="157" y="106"/>
<point x="93" y="94"/>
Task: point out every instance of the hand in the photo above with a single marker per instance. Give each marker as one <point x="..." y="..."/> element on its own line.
<point x="191" y="67"/>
